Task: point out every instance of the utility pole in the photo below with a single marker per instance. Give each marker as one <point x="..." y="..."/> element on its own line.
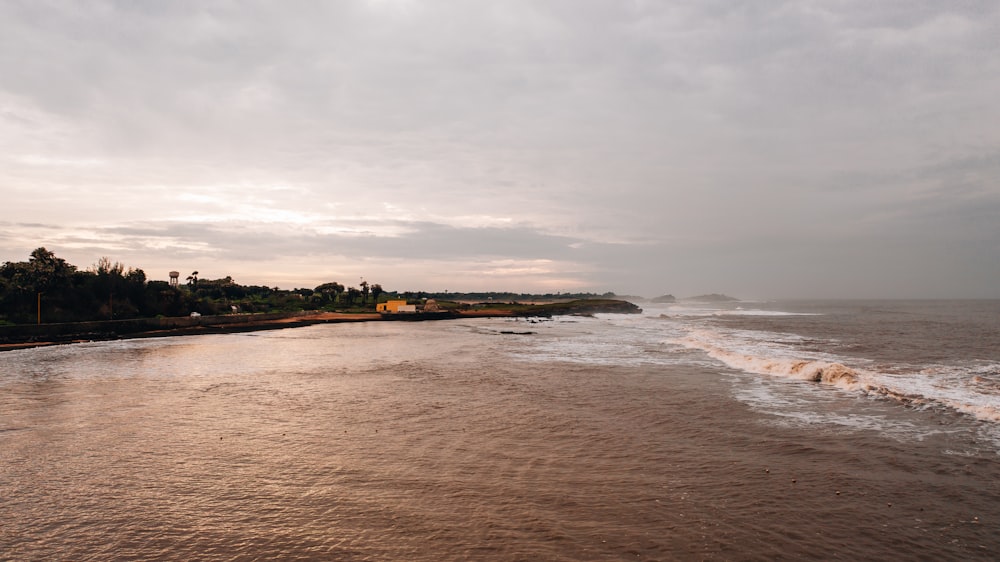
<point x="39" y="307"/>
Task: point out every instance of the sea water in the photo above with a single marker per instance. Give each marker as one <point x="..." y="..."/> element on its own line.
<point x="745" y="430"/>
<point x="927" y="355"/>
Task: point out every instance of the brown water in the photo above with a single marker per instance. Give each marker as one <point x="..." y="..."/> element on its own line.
<point x="439" y="441"/>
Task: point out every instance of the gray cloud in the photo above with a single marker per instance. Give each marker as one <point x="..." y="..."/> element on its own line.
<point x="774" y="148"/>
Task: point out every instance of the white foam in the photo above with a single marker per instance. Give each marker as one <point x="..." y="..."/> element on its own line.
<point x="972" y="391"/>
<point x="771" y="364"/>
<point x="741" y="312"/>
<point x="651" y="339"/>
<point x="694" y="310"/>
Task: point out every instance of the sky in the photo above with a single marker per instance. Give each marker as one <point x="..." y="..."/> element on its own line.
<point x="765" y="149"/>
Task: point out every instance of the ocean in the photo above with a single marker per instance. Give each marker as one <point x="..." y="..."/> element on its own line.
<point x="865" y="430"/>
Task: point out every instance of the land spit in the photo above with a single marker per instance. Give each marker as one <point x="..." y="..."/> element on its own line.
<point x="37" y="335"/>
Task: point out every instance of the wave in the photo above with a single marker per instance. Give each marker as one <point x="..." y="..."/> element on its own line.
<point x="807" y="370"/>
<point x="974" y="394"/>
<point x="756" y="312"/>
<point x="694" y="311"/>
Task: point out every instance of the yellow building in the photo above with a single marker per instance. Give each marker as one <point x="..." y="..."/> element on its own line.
<point x="394" y="307"/>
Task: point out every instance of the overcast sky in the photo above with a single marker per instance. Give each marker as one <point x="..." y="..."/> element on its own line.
<point x="763" y="149"/>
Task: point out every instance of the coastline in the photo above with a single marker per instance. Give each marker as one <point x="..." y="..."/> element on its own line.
<point x="44" y="335"/>
<point x="197" y="326"/>
<point x="106" y="330"/>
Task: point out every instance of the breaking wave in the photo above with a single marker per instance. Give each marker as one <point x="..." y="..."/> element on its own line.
<point x="815" y="370"/>
<point x="956" y="388"/>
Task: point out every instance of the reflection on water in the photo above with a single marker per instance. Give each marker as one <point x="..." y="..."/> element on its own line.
<point x="446" y="440"/>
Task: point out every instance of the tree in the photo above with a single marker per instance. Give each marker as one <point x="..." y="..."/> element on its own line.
<point x="364" y="291"/>
<point x="114" y="291"/>
<point x="352" y="295"/>
<point x="330" y="291"/>
<point x="26" y="283"/>
<point x="108" y="283"/>
<point x="49" y="272"/>
<point x="376" y="292"/>
<point x="161" y="298"/>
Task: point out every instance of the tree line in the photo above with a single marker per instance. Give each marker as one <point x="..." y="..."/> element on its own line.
<point x="46" y="288"/>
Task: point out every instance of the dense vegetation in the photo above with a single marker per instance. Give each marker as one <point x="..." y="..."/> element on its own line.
<point x="49" y="287"/>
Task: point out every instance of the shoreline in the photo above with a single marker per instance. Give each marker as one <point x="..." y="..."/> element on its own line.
<point x="26" y="336"/>
<point x="289" y="320"/>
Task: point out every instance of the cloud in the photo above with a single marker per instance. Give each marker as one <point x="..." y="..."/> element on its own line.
<point x="637" y="145"/>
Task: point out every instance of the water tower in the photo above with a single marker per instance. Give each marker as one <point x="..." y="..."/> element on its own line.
<point x="174" y="276"/>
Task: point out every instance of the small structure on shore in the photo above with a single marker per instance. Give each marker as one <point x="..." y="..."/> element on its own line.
<point x="395" y="307"/>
